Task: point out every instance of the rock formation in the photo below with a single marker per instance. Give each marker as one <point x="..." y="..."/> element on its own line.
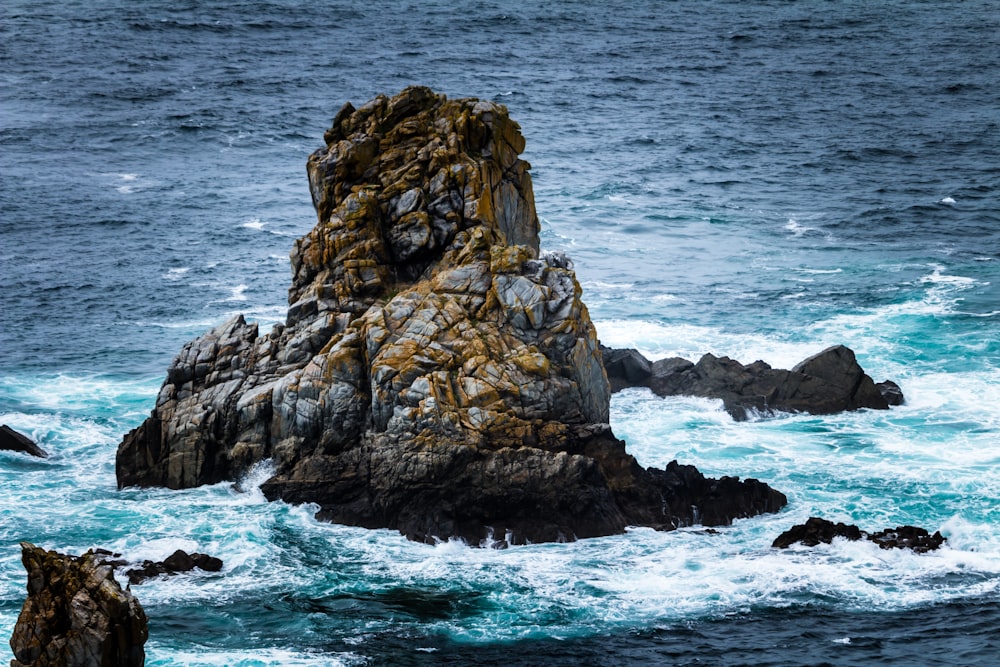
<point x="436" y="373"/>
<point x="76" y="614"/>
<point x="179" y="561"/>
<point x="13" y="441"/>
<point x="828" y="382"/>
<point x="815" y="531"/>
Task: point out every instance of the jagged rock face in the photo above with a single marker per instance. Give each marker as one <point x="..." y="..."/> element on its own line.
<point x="76" y="614"/>
<point x="435" y="374"/>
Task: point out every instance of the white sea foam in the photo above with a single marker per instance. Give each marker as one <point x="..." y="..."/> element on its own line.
<point x="159" y="654"/>
<point x="237" y="293"/>
<point x="254" y="223"/>
<point x="948" y="200"/>
<point x="176" y="273"/>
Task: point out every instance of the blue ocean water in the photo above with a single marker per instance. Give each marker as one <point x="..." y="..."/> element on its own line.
<point x="755" y="179"/>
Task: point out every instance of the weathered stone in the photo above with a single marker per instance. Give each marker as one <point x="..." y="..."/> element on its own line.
<point x="76" y="614"/>
<point x="435" y="374"/>
<point x="11" y="440"/>
<point x="828" y="382"/>
<point x="815" y="531"/>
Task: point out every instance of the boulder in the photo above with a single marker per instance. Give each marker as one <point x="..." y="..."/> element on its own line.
<point x="828" y="382"/>
<point x="11" y="440"/>
<point x="815" y="531"/>
<point x="76" y="614"/>
<point x="436" y="373"/>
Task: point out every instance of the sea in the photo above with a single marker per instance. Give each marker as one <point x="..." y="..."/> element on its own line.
<point x="757" y="179"/>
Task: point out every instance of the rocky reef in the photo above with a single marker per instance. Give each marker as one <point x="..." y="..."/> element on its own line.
<point x="825" y="383"/>
<point x="76" y="614"/>
<point x="436" y="374"/>
<point x="816" y="531"/>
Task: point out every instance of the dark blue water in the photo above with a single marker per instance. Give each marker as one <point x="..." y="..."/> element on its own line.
<point x="755" y="179"/>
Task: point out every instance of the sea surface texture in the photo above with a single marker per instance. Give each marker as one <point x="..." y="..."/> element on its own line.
<point x="753" y="179"/>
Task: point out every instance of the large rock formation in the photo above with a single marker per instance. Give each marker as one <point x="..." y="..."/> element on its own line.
<point x="76" y="614"/>
<point x="828" y="382"/>
<point x="436" y="374"/>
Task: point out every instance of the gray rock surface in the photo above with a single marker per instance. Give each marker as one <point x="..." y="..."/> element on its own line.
<point x="76" y="614"/>
<point x="825" y="383"/>
<point x="436" y="373"/>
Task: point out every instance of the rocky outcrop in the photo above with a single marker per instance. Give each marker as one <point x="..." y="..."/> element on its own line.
<point x="175" y="563"/>
<point x="815" y="531"/>
<point x="436" y="373"/>
<point x="11" y="440"/>
<point x="828" y="382"/>
<point x="76" y="614"/>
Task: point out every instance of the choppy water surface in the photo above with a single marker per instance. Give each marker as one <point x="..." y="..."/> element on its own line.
<point x="759" y="180"/>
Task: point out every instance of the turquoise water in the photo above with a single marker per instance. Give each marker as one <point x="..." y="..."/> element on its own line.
<point x="757" y="180"/>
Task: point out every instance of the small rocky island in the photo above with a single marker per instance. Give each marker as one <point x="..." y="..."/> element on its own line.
<point x="437" y="374"/>
<point x="76" y="614"/>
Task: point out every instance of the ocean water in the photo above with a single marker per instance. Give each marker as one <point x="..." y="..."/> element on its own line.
<point x="754" y="179"/>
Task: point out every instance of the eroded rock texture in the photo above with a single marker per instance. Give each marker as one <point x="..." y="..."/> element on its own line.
<point x="436" y="374"/>
<point x="76" y="614"/>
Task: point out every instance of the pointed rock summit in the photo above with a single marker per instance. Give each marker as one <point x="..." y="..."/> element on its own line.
<point x="436" y="374"/>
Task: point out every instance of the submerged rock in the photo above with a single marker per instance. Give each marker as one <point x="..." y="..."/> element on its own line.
<point x="815" y="531"/>
<point x="11" y="440"/>
<point x="436" y="373"/>
<point x="825" y="383"/>
<point x="76" y="614"/>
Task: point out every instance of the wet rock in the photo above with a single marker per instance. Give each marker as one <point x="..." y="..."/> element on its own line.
<point x="815" y="531"/>
<point x="908" y="537"/>
<point x="626" y="368"/>
<point x="179" y="561"/>
<point x="891" y="392"/>
<point x="76" y="614"/>
<point x="436" y="373"/>
<point x="828" y="382"/>
<point x="11" y="440"/>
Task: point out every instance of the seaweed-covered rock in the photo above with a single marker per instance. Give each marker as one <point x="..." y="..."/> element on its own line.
<point x="76" y="614"/>
<point x="436" y="372"/>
